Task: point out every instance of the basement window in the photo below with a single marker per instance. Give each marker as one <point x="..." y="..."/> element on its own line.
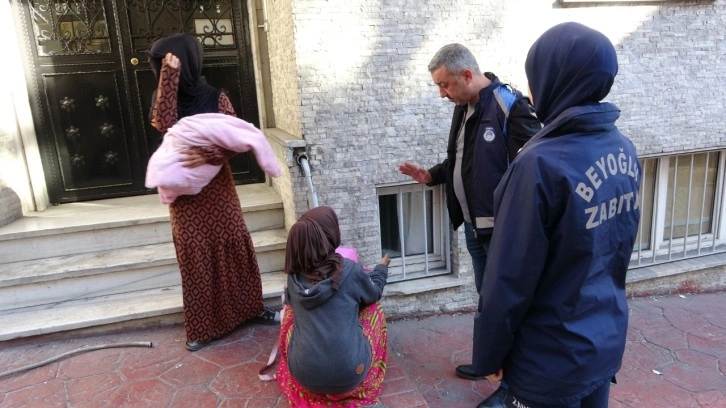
<point x="414" y="231"/>
<point x="681" y="205"/>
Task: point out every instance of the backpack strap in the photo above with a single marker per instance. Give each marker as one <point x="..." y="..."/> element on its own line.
<point x="506" y="97"/>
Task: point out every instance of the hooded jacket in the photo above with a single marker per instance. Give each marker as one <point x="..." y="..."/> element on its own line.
<point x="327" y="344"/>
<point x="553" y="312"/>
<point x="487" y="152"/>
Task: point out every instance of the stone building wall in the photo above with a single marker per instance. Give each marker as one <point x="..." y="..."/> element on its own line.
<point x="283" y="71"/>
<point x="671" y="84"/>
<point x="368" y="103"/>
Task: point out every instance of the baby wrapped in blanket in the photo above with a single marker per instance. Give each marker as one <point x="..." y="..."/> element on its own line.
<point x="166" y="170"/>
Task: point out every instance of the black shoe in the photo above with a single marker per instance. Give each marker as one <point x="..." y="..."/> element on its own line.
<point x="496" y="400"/>
<point x="467" y="371"/>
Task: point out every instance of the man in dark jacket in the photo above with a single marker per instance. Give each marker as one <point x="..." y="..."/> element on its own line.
<point x="491" y="123"/>
<point x="553" y="315"/>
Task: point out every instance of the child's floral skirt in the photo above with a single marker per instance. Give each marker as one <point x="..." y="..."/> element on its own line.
<point x="374" y="328"/>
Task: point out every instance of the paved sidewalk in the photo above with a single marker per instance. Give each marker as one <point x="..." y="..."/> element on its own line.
<point x="675" y="357"/>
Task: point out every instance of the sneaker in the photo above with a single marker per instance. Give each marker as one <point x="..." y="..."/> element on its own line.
<point x="269" y="317"/>
<point x="195" y="345"/>
<point x="467" y="371"/>
<point x="496" y="400"/>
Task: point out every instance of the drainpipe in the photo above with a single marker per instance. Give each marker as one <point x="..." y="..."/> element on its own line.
<point x="302" y="160"/>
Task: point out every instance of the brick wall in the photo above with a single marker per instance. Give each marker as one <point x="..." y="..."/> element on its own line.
<point x="672" y="78"/>
<point x="367" y="102"/>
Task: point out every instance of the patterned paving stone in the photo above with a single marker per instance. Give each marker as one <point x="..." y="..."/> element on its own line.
<point x="91" y="389"/>
<point x="191" y="371"/>
<point x="141" y="393"/>
<point x="695" y="372"/>
<point x="675" y="357"/>
<point x="672" y="339"/>
<point x="88" y="364"/>
<point x="44" y="394"/>
<point x="196" y="396"/>
<point x="709" y="340"/>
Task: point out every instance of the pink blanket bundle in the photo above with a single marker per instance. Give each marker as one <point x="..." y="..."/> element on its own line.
<point x="166" y="172"/>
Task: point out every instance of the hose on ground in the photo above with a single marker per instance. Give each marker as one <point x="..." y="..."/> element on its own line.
<point x="76" y="351"/>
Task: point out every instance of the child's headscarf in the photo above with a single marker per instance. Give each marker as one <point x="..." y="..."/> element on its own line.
<point x="195" y="95"/>
<point x="311" y="244"/>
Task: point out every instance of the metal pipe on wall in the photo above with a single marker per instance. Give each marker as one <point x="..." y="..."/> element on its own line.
<point x="302" y="160"/>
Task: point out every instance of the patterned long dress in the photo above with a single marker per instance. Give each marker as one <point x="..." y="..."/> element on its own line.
<point x="221" y="283"/>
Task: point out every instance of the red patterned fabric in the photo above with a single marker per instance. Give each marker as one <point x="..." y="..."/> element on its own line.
<point x="163" y="110"/>
<point x="221" y="284"/>
<point x="375" y="329"/>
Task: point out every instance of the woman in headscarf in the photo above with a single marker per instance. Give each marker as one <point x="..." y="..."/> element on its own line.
<point x="553" y="315"/>
<point x="333" y="339"/>
<point x="221" y="283"/>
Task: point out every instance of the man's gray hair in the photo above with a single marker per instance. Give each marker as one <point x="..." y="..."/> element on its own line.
<point x="455" y="58"/>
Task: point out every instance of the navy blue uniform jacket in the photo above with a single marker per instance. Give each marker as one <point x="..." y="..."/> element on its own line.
<point x="487" y="153"/>
<point x="553" y="312"/>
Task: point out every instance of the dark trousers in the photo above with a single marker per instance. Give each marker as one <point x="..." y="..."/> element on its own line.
<point x="478" y="248"/>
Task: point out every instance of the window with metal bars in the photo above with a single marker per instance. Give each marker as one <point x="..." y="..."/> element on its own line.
<point x="414" y="231"/>
<point x="680" y="201"/>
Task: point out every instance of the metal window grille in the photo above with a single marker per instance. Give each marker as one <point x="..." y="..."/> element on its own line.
<point x="680" y="200"/>
<point x="414" y="231"/>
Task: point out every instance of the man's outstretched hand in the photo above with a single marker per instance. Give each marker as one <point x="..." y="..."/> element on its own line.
<point x="415" y="172"/>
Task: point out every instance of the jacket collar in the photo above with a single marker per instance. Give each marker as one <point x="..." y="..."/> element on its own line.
<point x="601" y="115"/>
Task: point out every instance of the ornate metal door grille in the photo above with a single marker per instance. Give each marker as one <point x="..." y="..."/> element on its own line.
<point x="211" y="21"/>
<point x="70" y="27"/>
<point x="90" y="85"/>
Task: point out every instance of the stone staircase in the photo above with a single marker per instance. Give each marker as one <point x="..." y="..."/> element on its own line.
<point x="84" y="265"/>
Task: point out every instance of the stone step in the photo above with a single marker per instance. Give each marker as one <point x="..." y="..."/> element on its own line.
<point x="105" y="225"/>
<point x="66" y="278"/>
<point x="89" y="264"/>
<point x="109" y="309"/>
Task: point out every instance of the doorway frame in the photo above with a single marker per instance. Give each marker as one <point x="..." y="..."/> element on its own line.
<point x="35" y="197"/>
